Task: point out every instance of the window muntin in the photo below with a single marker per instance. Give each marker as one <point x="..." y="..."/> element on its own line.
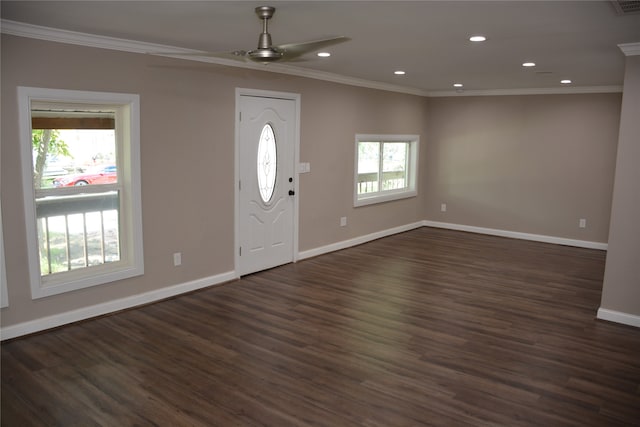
<point x="82" y="188"/>
<point x="386" y="168"/>
<point x="267" y="164"/>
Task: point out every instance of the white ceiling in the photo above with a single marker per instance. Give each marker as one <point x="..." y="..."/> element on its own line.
<point x="575" y="40"/>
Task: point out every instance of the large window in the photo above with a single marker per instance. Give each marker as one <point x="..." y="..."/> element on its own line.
<point x="386" y="168"/>
<point x="82" y="188"/>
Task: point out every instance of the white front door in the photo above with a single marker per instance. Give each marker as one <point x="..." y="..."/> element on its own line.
<point x="267" y="132"/>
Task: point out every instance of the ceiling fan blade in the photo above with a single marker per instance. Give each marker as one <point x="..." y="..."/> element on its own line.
<point x="294" y="50"/>
<point x="237" y="55"/>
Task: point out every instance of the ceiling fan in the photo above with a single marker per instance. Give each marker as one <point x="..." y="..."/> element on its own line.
<point x="266" y="52"/>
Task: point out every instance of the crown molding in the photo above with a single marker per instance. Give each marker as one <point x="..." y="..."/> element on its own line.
<point x="71" y="37"/>
<point x="530" y="91"/>
<point x="351" y="81"/>
<point x="630" y="49"/>
<point x="21" y="29"/>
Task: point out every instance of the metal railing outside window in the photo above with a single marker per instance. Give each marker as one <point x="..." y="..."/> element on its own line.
<point x="368" y="182"/>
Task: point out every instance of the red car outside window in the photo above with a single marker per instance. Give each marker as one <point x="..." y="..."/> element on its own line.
<point x="102" y="175"/>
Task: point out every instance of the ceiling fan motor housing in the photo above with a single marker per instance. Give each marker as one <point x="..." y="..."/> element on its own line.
<point x="265" y="55"/>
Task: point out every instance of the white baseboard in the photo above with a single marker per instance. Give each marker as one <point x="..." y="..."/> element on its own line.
<point x="357" y="240"/>
<point x="619" y="317"/>
<point x="518" y="235"/>
<point x="84" y="313"/>
<point x="459" y="227"/>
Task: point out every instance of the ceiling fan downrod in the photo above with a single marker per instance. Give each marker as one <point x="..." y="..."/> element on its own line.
<point x="265" y="52"/>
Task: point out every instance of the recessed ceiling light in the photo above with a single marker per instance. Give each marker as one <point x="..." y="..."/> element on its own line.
<point x="323" y="54"/>
<point x="565" y="81"/>
<point x="477" y="38"/>
<point x="528" y="64"/>
<point x="399" y="73"/>
<point x="458" y="85"/>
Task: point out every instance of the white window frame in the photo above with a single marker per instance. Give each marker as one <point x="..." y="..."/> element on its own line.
<point x="127" y="107"/>
<point x="381" y="196"/>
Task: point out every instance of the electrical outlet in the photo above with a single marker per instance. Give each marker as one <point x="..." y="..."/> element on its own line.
<point x="343" y="221"/>
<point x="582" y="223"/>
<point x="177" y="259"/>
<point x="443" y="207"/>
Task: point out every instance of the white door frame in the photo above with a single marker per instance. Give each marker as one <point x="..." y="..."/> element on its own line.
<point x="236" y="178"/>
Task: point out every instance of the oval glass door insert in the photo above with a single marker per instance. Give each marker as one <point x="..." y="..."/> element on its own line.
<point x="267" y="163"/>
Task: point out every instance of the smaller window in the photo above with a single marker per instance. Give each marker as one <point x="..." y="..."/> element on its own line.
<point x="385" y="168"/>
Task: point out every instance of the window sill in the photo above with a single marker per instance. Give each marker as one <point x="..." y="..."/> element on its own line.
<point x="383" y="198"/>
<point x="80" y="279"/>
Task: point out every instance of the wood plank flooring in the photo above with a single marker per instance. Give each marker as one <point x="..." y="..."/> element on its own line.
<point x="428" y="327"/>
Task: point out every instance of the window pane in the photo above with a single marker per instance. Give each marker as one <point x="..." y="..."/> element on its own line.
<point x="70" y="157"/>
<point x="394" y="165"/>
<point x="77" y="231"/>
<point x="267" y="163"/>
<point x="368" y="167"/>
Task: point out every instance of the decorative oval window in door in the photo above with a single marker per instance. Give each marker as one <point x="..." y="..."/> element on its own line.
<point x="267" y="163"/>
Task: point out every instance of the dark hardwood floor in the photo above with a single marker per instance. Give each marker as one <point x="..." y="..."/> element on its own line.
<point x="428" y="327"/>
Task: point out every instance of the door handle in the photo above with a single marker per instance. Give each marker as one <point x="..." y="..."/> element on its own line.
<point x="292" y="193"/>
